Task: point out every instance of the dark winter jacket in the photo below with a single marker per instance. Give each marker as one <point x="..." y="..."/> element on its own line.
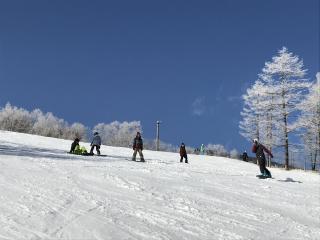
<point x="245" y="156"/>
<point x="183" y="151"/>
<point x="137" y="143"/>
<point x="259" y="150"/>
<point x="73" y="146"/>
<point x="96" y="140"/>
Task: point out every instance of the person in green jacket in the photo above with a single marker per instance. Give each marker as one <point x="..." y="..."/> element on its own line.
<point x="202" y="149"/>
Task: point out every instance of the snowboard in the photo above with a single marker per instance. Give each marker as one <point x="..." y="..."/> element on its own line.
<point x="262" y="177"/>
<point x="138" y="161"/>
<point x="88" y="154"/>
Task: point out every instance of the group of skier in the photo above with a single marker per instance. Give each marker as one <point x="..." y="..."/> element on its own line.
<point x="96" y="143"/>
<point x="137" y="147"/>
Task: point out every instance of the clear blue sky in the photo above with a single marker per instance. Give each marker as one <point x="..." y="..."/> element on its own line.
<point x="186" y="63"/>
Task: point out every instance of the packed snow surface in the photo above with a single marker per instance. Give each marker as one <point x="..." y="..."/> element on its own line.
<point x="46" y="193"/>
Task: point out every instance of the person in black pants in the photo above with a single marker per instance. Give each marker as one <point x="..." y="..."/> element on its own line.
<point x="183" y="153"/>
<point x="259" y="150"/>
<point x="137" y="147"/>
<point x="74" y="145"/>
<point x="96" y="142"/>
<point x="245" y="156"/>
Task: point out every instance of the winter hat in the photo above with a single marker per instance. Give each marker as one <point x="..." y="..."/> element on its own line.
<point x="96" y="133"/>
<point x="255" y="140"/>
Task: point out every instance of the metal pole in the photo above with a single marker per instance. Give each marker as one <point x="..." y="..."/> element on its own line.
<point x="158" y="135"/>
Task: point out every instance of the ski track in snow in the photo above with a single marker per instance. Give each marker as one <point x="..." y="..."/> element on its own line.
<point x="49" y="194"/>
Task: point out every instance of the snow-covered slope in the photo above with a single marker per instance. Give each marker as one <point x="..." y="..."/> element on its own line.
<point x="46" y="193"/>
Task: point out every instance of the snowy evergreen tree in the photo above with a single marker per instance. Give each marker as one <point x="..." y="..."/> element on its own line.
<point x="117" y="133"/>
<point x="284" y="74"/>
<point x="234" y="154"/>
<point x="76" y="130"/>
<point x="249" y="125"/>
<point x="216" y="150"/>
<point x="309" y="121"/>
<point x="48" y="125"/>
<point x="15" y="119"/>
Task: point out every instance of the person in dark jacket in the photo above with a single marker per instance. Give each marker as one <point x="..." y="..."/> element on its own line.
<point x="74" y="145"/>
<point x="245" y="156"/>
<point x="137" y="147"/>
<point x="183" y="153"/>
<point x="259" y="150"/>
<point x="96" y="143"/>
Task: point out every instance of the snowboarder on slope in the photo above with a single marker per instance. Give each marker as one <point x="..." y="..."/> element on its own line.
<point x="137" y="146"/>
<point x="96" y="142"/>
<point x="74" y="144"/>
<point x="259" y="150"/>
<point x="183" y="153"/>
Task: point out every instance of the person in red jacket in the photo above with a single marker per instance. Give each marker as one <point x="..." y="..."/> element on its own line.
<point x="259" y="150"/>
<point x="183" y="153"/>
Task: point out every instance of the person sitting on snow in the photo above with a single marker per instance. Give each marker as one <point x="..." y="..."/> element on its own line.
<point x="259" y="150"/>
<point x="74" y="145"/>
<point x="76" y="149"/>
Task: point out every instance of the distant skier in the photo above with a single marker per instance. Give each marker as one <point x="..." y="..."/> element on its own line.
<point x="183" y="153"/>
<point x="74" y="145"/>
<point x="245" y="156"/>
<point x="202" y="149"/>
<point x="259" y="150"/>
<point x="137" y="147"/>
<point x="96" y="142"/>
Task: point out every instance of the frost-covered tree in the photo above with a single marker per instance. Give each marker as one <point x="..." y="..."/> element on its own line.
<point x="15" y="119"/>
<point x="234" y="154"/>
<point x="36" y="122"/>
<point x="117" y="133"/>
<point x="284" y="74"/>
<point x="48" y="125"/>
<point x="251" y="113"/>
<point x="151" y="144"/>
<point x="309" y="121"/>
<point x="76" y="130"/>
<point x="216" y="150"/>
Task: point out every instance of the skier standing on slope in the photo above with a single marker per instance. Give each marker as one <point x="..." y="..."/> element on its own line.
<point x="96" y="142"/>
<point x="137" y="146"/>
<point x="183" y="153"/>
<point x="259" y="150"/>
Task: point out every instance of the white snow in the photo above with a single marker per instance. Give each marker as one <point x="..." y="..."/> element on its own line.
<point x="46" y="193"/>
